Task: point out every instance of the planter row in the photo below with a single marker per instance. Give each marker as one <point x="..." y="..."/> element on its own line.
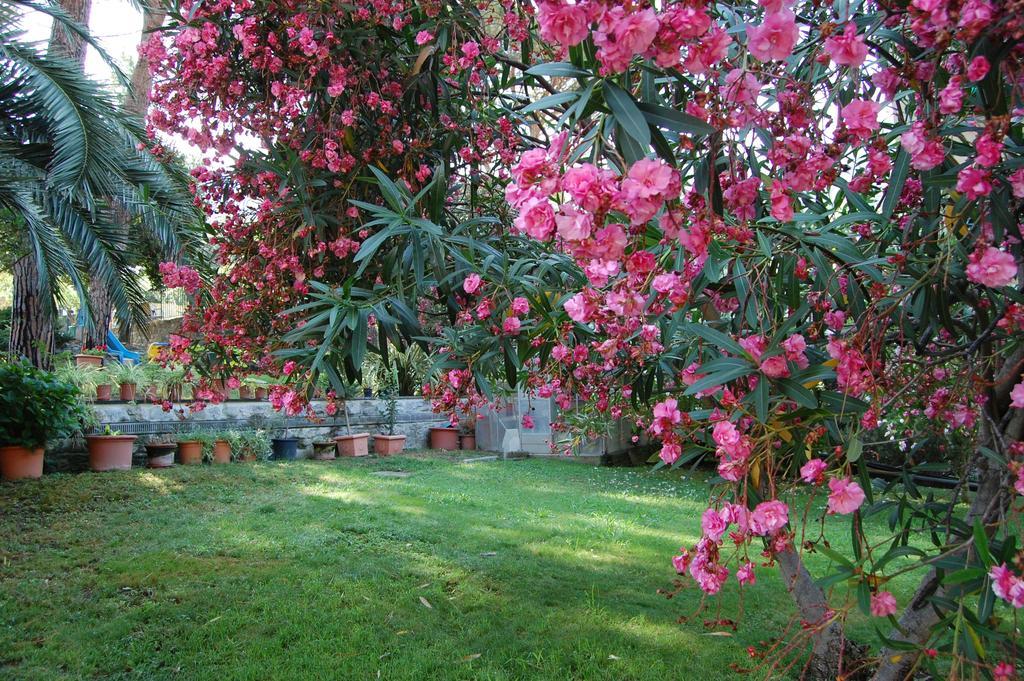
<point x="114" y="452"/>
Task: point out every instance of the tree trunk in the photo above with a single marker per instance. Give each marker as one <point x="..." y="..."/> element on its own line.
<point x="827" y="639"/>
<point x="31" y="324"/>
<point x="64" y="42"/>
<point x="136" y="102"/>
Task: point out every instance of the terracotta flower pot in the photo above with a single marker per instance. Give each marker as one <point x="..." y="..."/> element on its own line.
<point x="221" y="451"/>
<point x="469" y="441"/>
<point x="128" y="392"/>
<point x="325" y="451"/>
<point x="174" y="394"/>
<point x="160" y="455"/>
<point x="110" y="452"/>
<point x="219" y="388"/>
<point x="261" y="394"/>
<point x="190" y="452"/>
<point x="19" y="463"/>
<point x="386" y="445"/>
<point x="247" y="457"/>
<point x="152" y="395"/>
<point x="444" y="438"/>
<point x="245" y="393"/>
<point x="357" y="444"/>
<point x="89" y="360"/>
<point x="103" y="393"/>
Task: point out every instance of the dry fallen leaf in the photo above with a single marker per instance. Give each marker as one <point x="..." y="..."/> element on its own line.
<point x="467" y="658"/>
<point x="718" y="633"/>
<point x="614" y="657"/>
<point x="424" y="585"/>
<point x="426" y="603"/>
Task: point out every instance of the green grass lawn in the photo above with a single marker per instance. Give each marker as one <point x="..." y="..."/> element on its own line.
<point x="532" y="569"/>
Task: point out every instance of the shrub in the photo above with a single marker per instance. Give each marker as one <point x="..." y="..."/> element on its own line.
<point x="36" y="406"/>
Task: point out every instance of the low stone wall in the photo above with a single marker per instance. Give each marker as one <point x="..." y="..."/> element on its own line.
<point x="414" y="420"/>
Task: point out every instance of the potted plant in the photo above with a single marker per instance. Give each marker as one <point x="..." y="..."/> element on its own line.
<point x="444" y="437"/>
<point x="153" y="373"/>
<point x="130" y="377"/>
<point x="160" y="451"/>
<point x="86" y="377"/>
<point x="110" y="450"/>
<point x="352" y="444"/>
<point x="245" y="389"/>
<point x="172" y="382"/>
<point x="104" y="391"/>
<point x="388" y="444"/>
<point x="35" y="407"/>
<point x="250" y="445"/>
<point x="190" y="448"/>
<point x="91" y="356"/>
<point x="284" y="446"/>
<point x="220" y="448"/>
<point x="324" y="450"/>
<point x="258" y="386"/>
<point x="467" y="432"/>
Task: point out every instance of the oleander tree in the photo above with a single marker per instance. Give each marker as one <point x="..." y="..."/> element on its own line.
<point x="781" y="238"/>
<point x="799" y="227"/>
<point x="352" y="153"/>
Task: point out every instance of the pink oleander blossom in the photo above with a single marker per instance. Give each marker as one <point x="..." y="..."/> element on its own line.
<point x="846" y="496"/>
<point x="861" y="118"/>
<point x="775" y="37"/>
<point x="1017" y="396"/>
<point x="991" y="267"/>
<point x="883" y="604"/>
<point x="813" y="472"/>
<point x="471" y="284"/>
<point x="847" y="48"/>
<point x="769" y="517"/>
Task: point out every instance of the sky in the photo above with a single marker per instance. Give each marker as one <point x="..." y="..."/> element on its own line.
<point x="116" y="24"/>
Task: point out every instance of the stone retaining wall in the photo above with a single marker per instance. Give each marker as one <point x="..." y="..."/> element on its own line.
<point x="414" y="420"/>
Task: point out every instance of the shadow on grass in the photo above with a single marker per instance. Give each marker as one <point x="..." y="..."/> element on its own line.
<point x="534" y="569"/>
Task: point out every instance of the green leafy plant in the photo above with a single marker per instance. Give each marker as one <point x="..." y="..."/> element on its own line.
<point x="388" y="395"/>
<point x="249" y="442"/>
<point x="36" y="406"/>
<point x="130" y="373"/>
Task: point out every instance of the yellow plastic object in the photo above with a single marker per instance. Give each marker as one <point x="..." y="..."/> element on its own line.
<point x="153" y="350"/>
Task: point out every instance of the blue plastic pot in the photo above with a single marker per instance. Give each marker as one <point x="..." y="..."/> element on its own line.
<point x="285" y="448"/>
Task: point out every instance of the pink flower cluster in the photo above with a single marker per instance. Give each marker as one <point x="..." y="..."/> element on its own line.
<point x="623" y="32"/>
<point x="1007" y="585"/>
<point x="176" y="276"/>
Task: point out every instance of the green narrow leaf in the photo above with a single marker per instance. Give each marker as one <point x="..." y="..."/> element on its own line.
<point x="627" y="114"/>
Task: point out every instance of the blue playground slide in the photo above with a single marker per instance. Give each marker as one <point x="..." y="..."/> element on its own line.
<point x="116" y="347"/>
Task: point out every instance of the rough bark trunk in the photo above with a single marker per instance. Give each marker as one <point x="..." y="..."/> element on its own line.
<point x="65" y="43"/>
<point x="31" y="324"/>
<point x="138" y="99"/>
<point x="827" y="639"/>
<point x="136" y="102"/>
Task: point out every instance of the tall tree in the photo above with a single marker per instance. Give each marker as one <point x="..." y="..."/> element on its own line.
<point x="136" y="103"/>
<point x="68" y="156"/>
<point x="32" y="334"/>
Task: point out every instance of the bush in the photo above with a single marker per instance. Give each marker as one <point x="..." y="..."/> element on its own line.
<point x="36" y="406"/>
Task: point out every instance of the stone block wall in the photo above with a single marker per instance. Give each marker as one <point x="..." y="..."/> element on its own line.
<point x="414" y="420"/>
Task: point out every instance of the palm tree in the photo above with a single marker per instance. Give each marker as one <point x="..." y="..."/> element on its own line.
<point x="72" y="173"/>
